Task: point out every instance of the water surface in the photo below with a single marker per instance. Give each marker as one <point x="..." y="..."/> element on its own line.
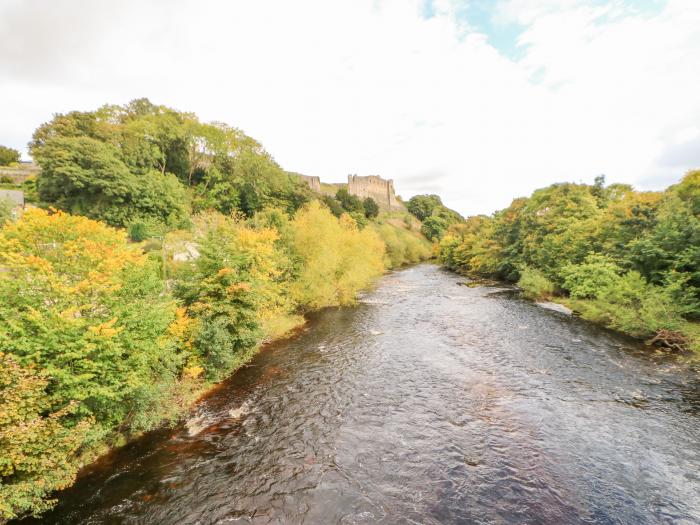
<point x="428" y="403"/>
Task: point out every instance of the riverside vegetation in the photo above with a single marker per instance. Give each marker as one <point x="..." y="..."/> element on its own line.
<point x="104" y="332"/>
<point x="629" y="260"/>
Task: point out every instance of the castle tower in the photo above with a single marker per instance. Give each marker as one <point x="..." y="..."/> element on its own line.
<point x="379" y="189"/>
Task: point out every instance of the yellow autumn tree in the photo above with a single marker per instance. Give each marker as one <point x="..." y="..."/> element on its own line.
<point x="337" y="259"/>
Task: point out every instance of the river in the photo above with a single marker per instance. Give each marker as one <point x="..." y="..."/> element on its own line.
<point x="428" y="403"/>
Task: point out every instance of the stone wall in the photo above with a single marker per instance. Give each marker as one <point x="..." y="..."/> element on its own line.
<point x="381" y="190"/>
<point x="20" y="173"/>
<point x="313" y="182"/>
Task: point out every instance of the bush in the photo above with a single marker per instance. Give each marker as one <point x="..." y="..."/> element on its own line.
<point x="138" y="232"/>
<point x="434" y="228"/>
<point x="8" y="156"/>
<point x="590" y="279"/>
<point x="402" y="246"/>
<point x="535" y="284"/>
<point x="6" y="207"/>
<point x="39" y="445"/>
<point x="83" y="306"/>
<point x="633" y="306"/>
<point x="371" y="208"/>
<point x="335" y="258"/>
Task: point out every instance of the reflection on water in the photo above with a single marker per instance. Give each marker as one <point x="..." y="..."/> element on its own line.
<point x="428" y="403"/>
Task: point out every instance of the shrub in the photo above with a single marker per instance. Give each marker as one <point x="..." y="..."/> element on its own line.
<point x="640" y="309"/>
<point x="231" y="288"/>
<point x="535" y="284"/>
<point x="8" y="156"/>
<point x="6" y="207"/>
<point x="371" y="208"/>
<point x="402" y="247"/>
<point x="85" y="307"/>
<point x="335" y="258"/>
<point x="434" y="228"/>
<point x="138" y="232"/>
<point x="590" y="279"/>
<point x="39" y="445"/>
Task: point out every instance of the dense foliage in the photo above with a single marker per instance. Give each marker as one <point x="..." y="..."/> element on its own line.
<point x="6" y="207"/>
<point x="147" y="163"/>
<point x="628" y="259"/>
<point x="164" y="251"/>
<point x="359" y="209"/>
<point x="102" y="351"/>
<point x="8" y="156"/>
<point x="434" y="215"/>
<point x="38" y="444"/>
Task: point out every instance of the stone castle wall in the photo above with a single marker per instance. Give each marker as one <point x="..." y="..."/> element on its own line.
<point x="20" y="173"/>
<point x="313" y="182"/>
<point x="381" y="190"/>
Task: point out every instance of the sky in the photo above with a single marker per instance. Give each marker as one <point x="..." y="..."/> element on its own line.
<point x="478" y="101"/>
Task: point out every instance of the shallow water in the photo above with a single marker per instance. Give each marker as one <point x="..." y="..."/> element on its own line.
<point x="427" y="403"/>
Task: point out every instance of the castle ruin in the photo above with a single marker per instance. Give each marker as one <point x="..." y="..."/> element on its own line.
<point x="313" y="182"/>
<point x="379" y="189"/>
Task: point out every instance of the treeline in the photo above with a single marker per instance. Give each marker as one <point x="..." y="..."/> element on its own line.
<point x="149" y="164"/>
<point x="627" y="259"/>
<point x="166" y="252"/>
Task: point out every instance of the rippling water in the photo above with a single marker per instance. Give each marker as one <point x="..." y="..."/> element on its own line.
<point x="428" y="403"/>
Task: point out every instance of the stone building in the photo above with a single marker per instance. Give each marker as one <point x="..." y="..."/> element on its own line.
<point x="313" y="182"/>
<point x="381" y="190"/>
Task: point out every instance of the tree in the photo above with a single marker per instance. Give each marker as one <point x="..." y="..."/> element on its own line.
<point x="333" y="205"/>
<point x="336" y="258"/>
<point x="80" y="303"/>
<point x="371" y="208"/>
<point x="422" y="206"/>
<point x="39" y="445"/>
<point x="86" y="176"/>
<point x="434" y="228"/>
<point x="8" y="156"/>
<point x="627" y="259"/>
<point x="350" y="203"/>
<point x="144" y="161"/>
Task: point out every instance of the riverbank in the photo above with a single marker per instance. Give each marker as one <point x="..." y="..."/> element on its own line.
<point x="627" y="259"/>
<point x="428" y="402"/>
<point x="105" y="339"/>
<point x="683" y="338"/>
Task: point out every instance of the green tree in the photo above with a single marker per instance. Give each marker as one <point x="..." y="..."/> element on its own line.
<point x="333" y="205"/>
<point x="371" y="208"/>
<point x="434" y="228"/>
<point x="350" y="203"/>
<point x="219" y="290"/>
<point x="8" y="156"/>
<point x="422" y="206"/>
<point x="39" y="445"/>
<point x="87" y="308"/>
<point x="6" y="207"/>
<point x="627" y="259"/>
<point x="86" y="176"/>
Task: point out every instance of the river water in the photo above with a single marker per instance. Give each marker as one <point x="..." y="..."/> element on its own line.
<point x="427" y="403"/>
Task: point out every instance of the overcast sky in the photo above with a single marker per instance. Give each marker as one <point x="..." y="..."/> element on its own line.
<point x="478" y="101"/>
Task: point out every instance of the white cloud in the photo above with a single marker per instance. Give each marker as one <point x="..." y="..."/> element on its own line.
<point x="368" y="86"/>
